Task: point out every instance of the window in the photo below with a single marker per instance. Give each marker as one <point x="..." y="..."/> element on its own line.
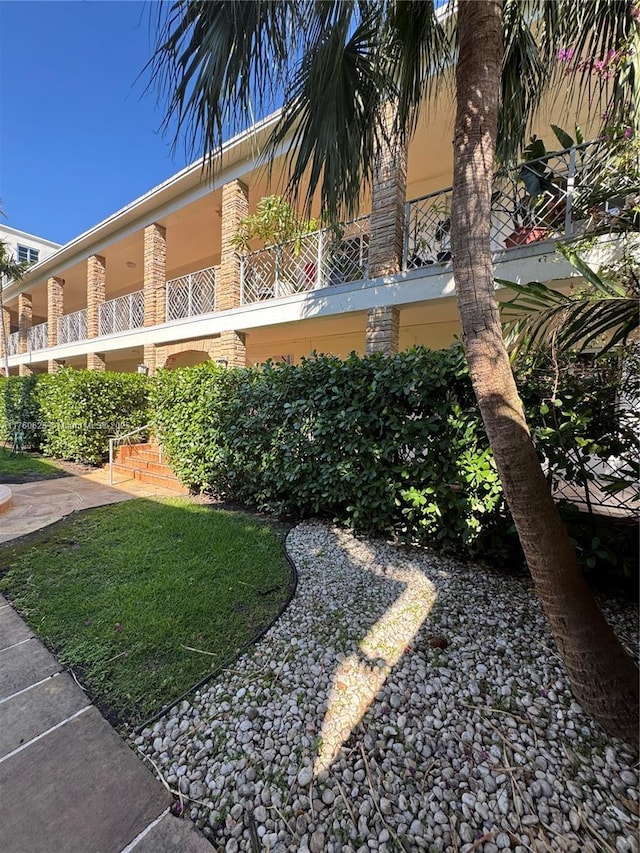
<point x="26" y="253"/>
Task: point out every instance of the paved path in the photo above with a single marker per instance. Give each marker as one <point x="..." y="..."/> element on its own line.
<point x="35" y="505"/>
<point x="68" y="782"/>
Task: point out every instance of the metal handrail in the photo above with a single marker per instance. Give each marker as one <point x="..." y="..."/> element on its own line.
<point x="117" y="438"/>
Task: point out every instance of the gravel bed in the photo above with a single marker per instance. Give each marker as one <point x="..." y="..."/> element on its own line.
<point x="402" y="702"/>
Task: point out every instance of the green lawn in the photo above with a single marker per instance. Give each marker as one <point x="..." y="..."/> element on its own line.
<point x="26" y="467"/>
<point x="124" y="594"/>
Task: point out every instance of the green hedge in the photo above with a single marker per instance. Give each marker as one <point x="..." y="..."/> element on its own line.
<point x="381" y="444"/>
<point x="72" y="413"/>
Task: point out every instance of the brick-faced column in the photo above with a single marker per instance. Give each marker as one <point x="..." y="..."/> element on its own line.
<point x="388" y="197"/>
<point x="155" y="281"/>
<point x="55" y="310"/>
<point x="231" y="347"/>
<point x="96" y="291"/>
<point x="155" y="274"/>
<point x="382" y="331"/>
<point x="25" y="319"/>
<point x="235" y="206"/>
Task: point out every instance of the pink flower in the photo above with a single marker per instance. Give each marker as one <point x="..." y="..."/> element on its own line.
<point x="565" y="54"/>
<point x="118" y="627"/>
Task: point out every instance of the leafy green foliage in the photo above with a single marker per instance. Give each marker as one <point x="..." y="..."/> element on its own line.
<point x="385" y="445"/>
<point x="72" y="413"/>
<point x="275" y="221"/>
<point x="143" y="616"/>
<point x="20" y="410"/>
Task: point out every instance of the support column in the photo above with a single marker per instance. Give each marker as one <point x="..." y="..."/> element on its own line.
<point x="382" y="333"/>
<point x="55" y="310"/>
<point x="155" y="281"/>
<point x="6" y="324"/>
<point x="235" y="206"/>
<point x="96" y="292"/>
<point x="25" y="318"/>
<point x="388" y="197"/>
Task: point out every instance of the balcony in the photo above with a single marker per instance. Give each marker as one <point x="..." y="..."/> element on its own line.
<point x="122" y="314"/>
<point x="72" y="327"/>
<point x="38" y="337"/>
<point x="534" y="201"/>
<point x="319" y="259"/>
<point x="191" y="295"/>
<point x="13" y="343"/>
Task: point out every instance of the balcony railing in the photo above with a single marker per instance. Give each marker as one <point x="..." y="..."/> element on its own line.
<point x="319" y="259"/>
<point x="72" y="327"/>
<point x="538" y="200"/>
<point x="13" y="342"/>
<point x="191" y="294"/>
<point x="38" y="337"/>
<point x="121" y="314"/>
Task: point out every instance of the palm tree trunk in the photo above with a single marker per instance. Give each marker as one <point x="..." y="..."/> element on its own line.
<point x="603" y="676"/>
<point x="5" y="342"/>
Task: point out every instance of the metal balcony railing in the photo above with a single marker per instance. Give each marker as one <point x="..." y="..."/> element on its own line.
<point x="38" y="337"/>
<point x="319" y="259"/>
<point x="13" y="343"/>
<point x="72" y="327"/>
<point x="121" y="314"/>
<point x="533" y="201"/>
<point x="191" y="294"/>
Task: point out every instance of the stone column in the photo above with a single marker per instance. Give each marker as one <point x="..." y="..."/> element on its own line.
<point x="388" y="197"/>
<point x="55" y="310"/>
<point x="382" y="330"/>
<point x="155" y="280"/>
<point x="96" y="292"/>
<point x="235" y="206"/>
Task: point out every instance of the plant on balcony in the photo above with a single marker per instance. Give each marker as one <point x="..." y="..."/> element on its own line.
<point x="544" y="206"/>
<point x="275" y="221"/>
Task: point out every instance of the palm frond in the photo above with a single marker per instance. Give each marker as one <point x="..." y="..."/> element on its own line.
<point x="603" y="316"/>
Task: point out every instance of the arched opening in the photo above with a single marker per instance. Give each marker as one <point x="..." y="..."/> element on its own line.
<point x="186" y="358"/>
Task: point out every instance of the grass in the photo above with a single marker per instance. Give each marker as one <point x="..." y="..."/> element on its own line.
<point x="26" y="467"/>
<point x="120" y="592"/>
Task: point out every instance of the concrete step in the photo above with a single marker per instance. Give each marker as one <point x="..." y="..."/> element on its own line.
<point x="138" y="464"/>
<point x="167" y="481"/>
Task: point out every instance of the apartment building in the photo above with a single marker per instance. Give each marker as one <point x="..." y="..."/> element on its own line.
<point x="159" y="284"/>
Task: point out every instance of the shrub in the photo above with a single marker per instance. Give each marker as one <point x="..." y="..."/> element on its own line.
<point x="81" y="409"/>
<point x="20" y="410"/>
<point x="385" y="445"/>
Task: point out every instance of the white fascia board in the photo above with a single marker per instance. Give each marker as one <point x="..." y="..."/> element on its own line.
<point x="402" y="289"/>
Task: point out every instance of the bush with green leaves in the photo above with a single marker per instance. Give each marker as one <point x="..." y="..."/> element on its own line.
<point x="72" y="413"/>
<point x="81" y="409"/>
<point x="20" y="411"/>
<point x="384" y="445"/>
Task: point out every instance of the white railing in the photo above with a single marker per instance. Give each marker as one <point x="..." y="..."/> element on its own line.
<point x="72" y="327"/>
<point x="191" y="294"/>
<point x="121" y="314"/>
<point x="319" y="259"/>
<point x="533" y="201"/>
<point x="38" y="337"/>
<point x="13" y="343"/>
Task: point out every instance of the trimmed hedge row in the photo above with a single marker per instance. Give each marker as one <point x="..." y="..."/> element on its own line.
<point x="381" y="444"/>
<point x="72" y="413"/>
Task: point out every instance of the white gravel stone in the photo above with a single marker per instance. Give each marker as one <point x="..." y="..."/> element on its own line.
<point x="347" y="710"/>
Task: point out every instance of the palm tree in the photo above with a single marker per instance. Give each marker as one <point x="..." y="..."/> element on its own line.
<point x="336" y="65"/>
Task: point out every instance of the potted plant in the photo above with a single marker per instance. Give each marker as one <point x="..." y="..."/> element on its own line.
<point x="542" y="206"/>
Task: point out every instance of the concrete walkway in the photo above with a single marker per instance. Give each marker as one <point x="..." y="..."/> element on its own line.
<point x="68" y="782"/>
<point x="35" y="505"/>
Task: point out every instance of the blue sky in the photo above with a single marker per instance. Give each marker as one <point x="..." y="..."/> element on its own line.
<point x="79" y="138"/>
